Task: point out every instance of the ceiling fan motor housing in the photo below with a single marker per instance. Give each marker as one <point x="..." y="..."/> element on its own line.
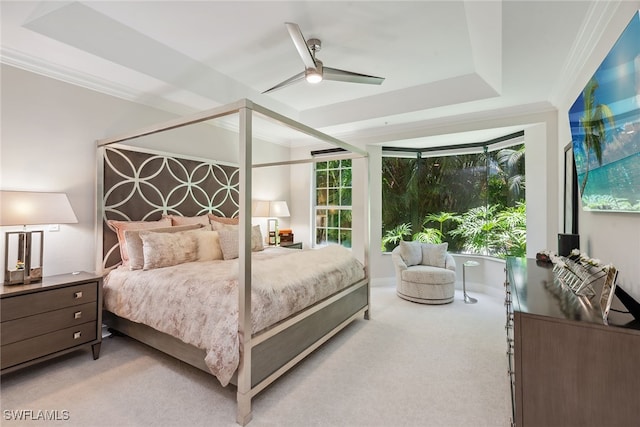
<point x="314" y="45"/>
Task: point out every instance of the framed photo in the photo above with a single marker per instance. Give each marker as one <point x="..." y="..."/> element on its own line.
<point x="608" y="290"/>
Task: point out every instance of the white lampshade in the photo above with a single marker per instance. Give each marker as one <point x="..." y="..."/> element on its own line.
<point x="32" y="208"/>
<point x="266" y="209"/>
<point x="278" y="209"/>
<point x="261" y="208"/>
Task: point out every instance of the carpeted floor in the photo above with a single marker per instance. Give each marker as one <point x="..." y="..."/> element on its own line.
<point x="410" y="365"/>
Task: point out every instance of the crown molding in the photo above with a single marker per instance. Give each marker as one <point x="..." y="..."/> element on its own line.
<point x="592" y="32"/>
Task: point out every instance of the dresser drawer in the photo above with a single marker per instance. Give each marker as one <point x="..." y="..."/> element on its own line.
<point x="32" y="348"/>
<point x="49" y="300"/>
<point x="40" y="324"/>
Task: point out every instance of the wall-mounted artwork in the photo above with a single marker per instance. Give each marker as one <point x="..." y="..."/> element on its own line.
<point x="605" y="129"/>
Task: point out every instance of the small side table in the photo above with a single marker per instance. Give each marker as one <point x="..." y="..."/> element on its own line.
<point x="467" y="298"/>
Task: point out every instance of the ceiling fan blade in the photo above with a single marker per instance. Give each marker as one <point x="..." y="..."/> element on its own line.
<point x="301" y="45"/>
<point x="350" y="77"/>
<point x="289" y="81"/>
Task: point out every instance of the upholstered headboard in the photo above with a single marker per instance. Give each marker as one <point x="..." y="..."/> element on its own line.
<point x="144" y="186"/>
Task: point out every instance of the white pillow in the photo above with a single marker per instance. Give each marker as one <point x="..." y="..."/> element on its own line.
<point x="411" y="252"/>
<point x="167" y="249"/>
<point x="434" y="255"/>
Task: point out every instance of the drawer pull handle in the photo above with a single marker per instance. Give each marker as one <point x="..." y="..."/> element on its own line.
<point x="77" y="335"/>
<point x="77" y="295"/>
<point x="77" y="315"/>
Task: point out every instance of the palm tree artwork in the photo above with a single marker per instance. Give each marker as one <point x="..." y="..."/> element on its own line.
<point x="594" y="125"/>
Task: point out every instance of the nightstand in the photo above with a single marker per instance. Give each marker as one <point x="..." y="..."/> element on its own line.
<point x="289" y="245"/>
<point x="43" y="320"/>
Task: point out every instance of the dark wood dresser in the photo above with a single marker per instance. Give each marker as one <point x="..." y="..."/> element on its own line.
<point x="566" y="367"/>
<point x="46" y="319"/>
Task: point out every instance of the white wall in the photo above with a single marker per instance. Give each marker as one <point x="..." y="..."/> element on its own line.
<point x="611" y="237"/>
<point x="48" y="135"/>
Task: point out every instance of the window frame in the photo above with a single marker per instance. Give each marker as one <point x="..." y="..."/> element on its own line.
<point x="342" y="210"/>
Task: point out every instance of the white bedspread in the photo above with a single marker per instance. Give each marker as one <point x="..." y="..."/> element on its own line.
<point x="197" y="302"/>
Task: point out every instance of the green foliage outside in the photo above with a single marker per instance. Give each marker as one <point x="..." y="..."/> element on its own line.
<point x="475" y="202"/>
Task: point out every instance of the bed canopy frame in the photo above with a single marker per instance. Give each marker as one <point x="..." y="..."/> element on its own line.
<point x="332" y="314"/>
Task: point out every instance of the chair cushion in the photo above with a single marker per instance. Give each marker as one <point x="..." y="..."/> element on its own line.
<point x="428" y="275"/>
<point x="411" y="252"/>
<point x="434" y="255"/>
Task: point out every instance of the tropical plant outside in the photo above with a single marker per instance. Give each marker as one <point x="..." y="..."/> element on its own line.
<point x="474" y="202"/>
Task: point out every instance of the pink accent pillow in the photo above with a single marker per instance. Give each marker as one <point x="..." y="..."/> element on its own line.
<point x="223" y="220"/>
<point x="121" y="226"/>
<point x="188" y="220"/>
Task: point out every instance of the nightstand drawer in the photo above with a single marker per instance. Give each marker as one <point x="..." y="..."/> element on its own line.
<point x="43" y="345"/>
<point x="40" y="324"/>
<point x="41" y="302"/>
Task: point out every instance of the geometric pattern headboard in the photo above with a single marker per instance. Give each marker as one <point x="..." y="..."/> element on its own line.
<point x="144" y="186"/>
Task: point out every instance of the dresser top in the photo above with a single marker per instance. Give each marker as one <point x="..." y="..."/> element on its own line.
<point x="49" y="282"/>
<point x="534" y="292"/>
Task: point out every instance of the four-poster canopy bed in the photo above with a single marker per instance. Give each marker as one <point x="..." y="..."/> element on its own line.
<point x="142" y="187"/>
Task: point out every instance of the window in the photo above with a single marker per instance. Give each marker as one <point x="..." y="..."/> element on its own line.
<point x="333" y="202"/>
<point x="474" y="199"/>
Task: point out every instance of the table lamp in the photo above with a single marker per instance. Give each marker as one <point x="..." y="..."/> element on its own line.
<point x="272" y="210"/>
<point x="23" y="258"/>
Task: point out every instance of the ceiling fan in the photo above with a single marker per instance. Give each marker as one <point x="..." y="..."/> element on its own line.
<point x="314" y="71"/>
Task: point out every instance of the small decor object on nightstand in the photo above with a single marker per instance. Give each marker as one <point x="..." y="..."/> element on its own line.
<point x="285" y="236"/>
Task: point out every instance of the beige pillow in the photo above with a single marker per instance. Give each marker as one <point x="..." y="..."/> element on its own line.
<point x="208" y="245"/>
<point x="167" y="249"/>
<point x="134" y="243"/>
<point x="257" y="244"/>
<point x="121" y="226"/>
<point x="223" y="226"/>
<point x="411" y="252"/>
<point x="188" y="220"/>
<point x="434" y="255"/>
<point x="230" y="243"/>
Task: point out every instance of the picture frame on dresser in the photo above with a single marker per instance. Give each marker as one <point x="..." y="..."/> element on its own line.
<point x="608" y="291"/>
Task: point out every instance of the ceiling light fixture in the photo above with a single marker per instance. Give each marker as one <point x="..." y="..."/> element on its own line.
<point x="312" y="76"/>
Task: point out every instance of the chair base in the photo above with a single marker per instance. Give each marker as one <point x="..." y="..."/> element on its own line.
<point x="425" y="293"/>
<point x="425" y="300"/>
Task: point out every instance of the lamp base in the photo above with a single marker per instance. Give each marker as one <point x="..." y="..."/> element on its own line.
<point x="24" y="250"/>
<point x="18" y="277"/>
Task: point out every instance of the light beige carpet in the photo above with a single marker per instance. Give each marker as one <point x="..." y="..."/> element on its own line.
<point x="410" y="365"/>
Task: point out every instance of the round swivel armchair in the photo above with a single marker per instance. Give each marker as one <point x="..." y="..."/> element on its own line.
<point x="425" y="273"/>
